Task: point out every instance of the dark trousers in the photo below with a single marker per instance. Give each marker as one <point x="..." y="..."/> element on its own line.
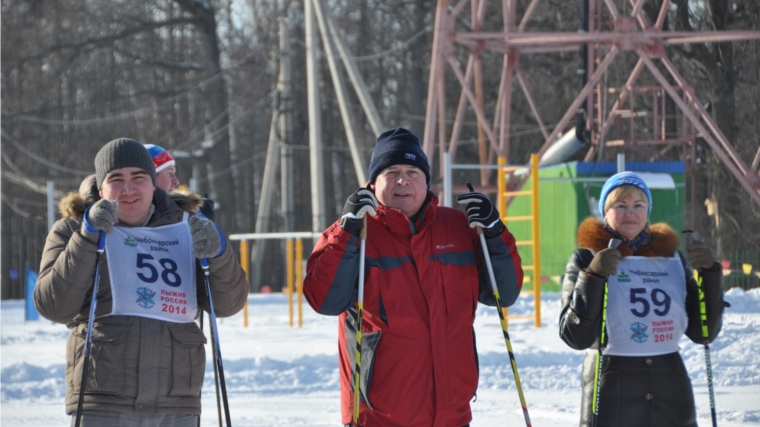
<point x="132" y="419"/>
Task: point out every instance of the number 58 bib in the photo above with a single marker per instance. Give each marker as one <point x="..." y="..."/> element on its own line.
<point x="645" y="306"/>
<point x="152" y="272"/>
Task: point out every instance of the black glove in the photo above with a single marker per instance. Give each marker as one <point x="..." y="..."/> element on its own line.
<point x="360" y="203"/>
<point x="207" y="208"/>
<point x="482" y="213"/>
<point x="700" y="256"/>
<point x="605" y="262"/>
<point x="100" y="216"/>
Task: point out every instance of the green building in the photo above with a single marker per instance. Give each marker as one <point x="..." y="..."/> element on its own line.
<point x="569" y="193"/>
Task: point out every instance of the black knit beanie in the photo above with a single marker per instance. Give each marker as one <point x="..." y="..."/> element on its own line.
<point x="122" y="153"/>
<point x="397" y="147"/>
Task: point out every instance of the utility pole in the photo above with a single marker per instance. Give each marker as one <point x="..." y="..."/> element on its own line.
<point x="50" y="204"/>
<point x="341" y="94"/>
<point x="279" y="137"/>
<point x="263" y="217"/>
<point x="316" y="12"/>
<point x="318" y="222"/>
<point x="285" y="108"/>
<point x="356" y="78"/>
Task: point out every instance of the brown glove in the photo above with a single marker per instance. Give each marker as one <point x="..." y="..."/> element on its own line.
<point x="605" y="262"/>
<point x="700" y="256"/>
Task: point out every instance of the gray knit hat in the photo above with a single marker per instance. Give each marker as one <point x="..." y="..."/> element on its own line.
<point x="122" y="153"/>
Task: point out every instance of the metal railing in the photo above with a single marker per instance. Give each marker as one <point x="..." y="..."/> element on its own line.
<point x="502" y="169"/>
<point x="294" y="265"/>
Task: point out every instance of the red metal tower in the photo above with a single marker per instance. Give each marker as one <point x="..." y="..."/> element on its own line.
<point x="609" y="33"/>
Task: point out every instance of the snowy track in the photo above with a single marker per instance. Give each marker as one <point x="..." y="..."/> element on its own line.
<point x="277" y="375"/>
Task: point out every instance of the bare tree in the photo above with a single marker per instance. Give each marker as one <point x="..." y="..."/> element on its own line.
<point x="181" y="73"/>
<point x="215" y="95"/>
<point x="731" y="89"/>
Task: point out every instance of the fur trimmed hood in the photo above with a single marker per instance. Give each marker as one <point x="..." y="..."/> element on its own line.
<point x="73" y="204"/>
<point x="593" y="235"/>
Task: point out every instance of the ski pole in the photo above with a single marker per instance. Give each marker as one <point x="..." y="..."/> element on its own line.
<point x="215" y="338"/>
<point x="216" y="384"/>
<point x="693" y="236"/>
<point x="217" y="348"/>
<point x="614" y="243"/>
<point x="495" y="290"/>
<point x="359" y="314"/>
<point x="201" y="326"/>
<point x="90" y="321"/>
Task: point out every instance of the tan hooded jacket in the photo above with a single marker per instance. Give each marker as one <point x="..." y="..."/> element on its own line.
<point x="137" y="364"/>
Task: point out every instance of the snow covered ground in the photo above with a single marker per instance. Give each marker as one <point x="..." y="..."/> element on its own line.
<point x="277" y="375"/>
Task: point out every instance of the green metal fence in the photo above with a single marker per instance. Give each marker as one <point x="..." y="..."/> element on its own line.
<point x="737" y="278"/>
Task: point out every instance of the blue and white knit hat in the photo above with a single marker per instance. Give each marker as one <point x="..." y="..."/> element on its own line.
<point x="624" y="178"/>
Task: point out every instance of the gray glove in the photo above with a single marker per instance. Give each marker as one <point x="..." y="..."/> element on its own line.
<point x="206" y="239"/>
<point x="100" y="216"/>
<point x="700" y="256"/>
<point x="605" y="262"/>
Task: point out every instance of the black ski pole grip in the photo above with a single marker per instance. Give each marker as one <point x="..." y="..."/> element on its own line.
<point x="472" y="190"/>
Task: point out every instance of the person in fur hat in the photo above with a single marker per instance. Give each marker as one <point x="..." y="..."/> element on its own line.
<point x="147" y="359"/>
<point x="653" y="300"/>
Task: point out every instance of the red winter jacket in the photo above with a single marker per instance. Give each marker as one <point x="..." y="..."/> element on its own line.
<point x="422" y="284"/>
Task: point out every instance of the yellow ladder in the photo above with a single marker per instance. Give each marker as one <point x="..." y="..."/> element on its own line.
<point x="534" y="242"/>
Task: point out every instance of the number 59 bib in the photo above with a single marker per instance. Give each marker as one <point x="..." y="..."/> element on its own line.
<point x="645" y="306"/>
<point x="152" y="272"/>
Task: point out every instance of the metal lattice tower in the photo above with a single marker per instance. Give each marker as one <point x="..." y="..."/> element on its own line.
<point x="609" y="32"/>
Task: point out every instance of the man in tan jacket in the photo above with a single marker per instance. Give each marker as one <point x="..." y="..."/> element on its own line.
<point x="147" y="359"/>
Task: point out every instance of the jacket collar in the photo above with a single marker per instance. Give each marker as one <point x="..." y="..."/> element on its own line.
<point x="398" y="223"/>
<point x="664" y="240"/>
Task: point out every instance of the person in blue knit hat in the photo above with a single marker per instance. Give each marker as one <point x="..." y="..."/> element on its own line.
<point x="424" y="275"/>
<point x="653" y="300"/>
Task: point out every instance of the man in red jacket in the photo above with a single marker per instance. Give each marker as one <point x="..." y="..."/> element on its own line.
<point x="424" y="275"/>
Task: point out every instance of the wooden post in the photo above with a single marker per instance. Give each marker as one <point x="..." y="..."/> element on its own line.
<point x="245" y="263"/>
<point x="299" y="280"/>
<point x="289" y="281"/>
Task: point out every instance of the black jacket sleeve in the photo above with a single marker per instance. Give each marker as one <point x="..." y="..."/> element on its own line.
<point x="713" y="289"/>
<point x="582" y="293"/>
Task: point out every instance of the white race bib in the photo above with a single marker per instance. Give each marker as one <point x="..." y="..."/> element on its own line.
<point x="152" y="272"/>
<point x="646" y="313"/>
